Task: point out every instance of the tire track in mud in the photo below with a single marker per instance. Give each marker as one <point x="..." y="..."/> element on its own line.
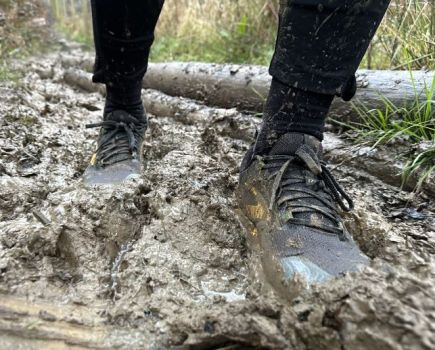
<point x="162" y="262"/>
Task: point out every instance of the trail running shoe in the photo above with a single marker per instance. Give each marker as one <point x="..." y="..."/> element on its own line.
<point x="119" y="153"/>
<point x="288" y="201"/>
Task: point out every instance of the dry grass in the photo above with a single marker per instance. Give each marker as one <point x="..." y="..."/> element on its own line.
<point x="243" y="31"/>
<point x="22" y="25"/>
<point x="73" y="18"/>
<point x="199" y="18"/>
<point x="405" y="38"/>
<point x="219" y="31"/>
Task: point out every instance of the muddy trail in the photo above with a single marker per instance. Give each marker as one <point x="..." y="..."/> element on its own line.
<point x="162" y="261"/>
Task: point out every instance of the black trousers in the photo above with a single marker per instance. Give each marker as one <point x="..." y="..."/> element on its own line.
<point x="319" y="45"/>
<point x="123" y="35"/>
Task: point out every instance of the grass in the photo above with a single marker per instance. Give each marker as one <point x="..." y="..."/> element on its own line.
<point x="23" y="27"/>
<point x="7" y="75"/>
<point x="413" y="124"/>
<point x="406" y="37"/>
<point x="423" y="162"/>
<point x="219" y="49"/>
<point x="217" y="31"/>
<point x="73" y="19"/>
<point x="211" y="31"/>
<point x="244" y="31"/>
<point x="23" y="32"/>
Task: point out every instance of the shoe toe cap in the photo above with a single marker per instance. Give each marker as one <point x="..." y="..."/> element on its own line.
<point x="317" y="257"/>
<point x="112" y="174"/>
<point x="310" y="272"/>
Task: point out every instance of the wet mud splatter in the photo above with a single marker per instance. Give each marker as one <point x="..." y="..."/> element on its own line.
<point x="162" y="262"/>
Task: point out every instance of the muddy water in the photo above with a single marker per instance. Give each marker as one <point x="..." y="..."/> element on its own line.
<point x="162" y="262"/>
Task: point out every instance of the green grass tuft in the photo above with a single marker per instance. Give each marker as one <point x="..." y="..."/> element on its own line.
<point x="7" y="75"/>
<point x="414" y="124"/>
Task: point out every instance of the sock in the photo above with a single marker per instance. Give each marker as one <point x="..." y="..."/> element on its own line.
<point x="128" y="100"/>
<point x="290" y="109"/>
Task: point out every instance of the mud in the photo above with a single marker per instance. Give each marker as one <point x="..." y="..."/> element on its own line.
<point x="162" y="262"/>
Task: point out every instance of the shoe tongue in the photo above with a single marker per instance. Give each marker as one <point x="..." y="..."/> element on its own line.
<point x="289" y="143"/>
<point x="121" y="116"/>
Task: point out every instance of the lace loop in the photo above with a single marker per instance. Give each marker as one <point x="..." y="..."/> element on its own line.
<point x="338" y="192"/>
<point x="310" y="158"/>
<point x="277" y="182"/>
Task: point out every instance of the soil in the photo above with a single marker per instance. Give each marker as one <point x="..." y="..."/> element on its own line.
<point x="162" y="262"/>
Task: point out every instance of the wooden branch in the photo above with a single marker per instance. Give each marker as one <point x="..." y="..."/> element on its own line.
<point x="83" y="80"/>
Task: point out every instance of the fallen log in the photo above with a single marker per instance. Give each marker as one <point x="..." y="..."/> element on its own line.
<point x="246" y="87"/>
<point x="83" y="80"/>
<point x="379" y="163"/>
<point x="241" y="126"/>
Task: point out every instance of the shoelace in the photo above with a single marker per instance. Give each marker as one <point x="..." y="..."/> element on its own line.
<point x="119" y="141"/>
<point x="286" y="192"/>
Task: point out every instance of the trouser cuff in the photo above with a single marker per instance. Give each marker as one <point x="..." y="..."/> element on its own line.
<point x="321" y="43"/>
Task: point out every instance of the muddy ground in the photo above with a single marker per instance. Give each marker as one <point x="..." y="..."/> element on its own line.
<point x="162" y="262"/>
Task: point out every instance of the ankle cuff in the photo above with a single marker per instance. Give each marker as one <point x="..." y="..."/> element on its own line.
<point x="124" y="95"/>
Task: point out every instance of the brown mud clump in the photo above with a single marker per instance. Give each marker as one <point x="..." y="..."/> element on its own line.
<point x="162" y="262"/>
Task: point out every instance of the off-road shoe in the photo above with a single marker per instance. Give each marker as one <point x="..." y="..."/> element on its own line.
<point x="288" y="200"/>
<point x="119" y="153"/>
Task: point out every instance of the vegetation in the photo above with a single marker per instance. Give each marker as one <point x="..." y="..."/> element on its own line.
<point x="243" y="31"/>
<point x="406" y="38"/>
<point x="73" y="18"/>
<point x="6" y="74"/>
<point x="217" y="31"/>
<point x="413" y="125"/>
<point x="22" y="26"/>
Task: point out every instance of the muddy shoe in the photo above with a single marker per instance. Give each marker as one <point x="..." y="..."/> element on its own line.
<point x="119" y="153"/>
<point x="288" y="201"/>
